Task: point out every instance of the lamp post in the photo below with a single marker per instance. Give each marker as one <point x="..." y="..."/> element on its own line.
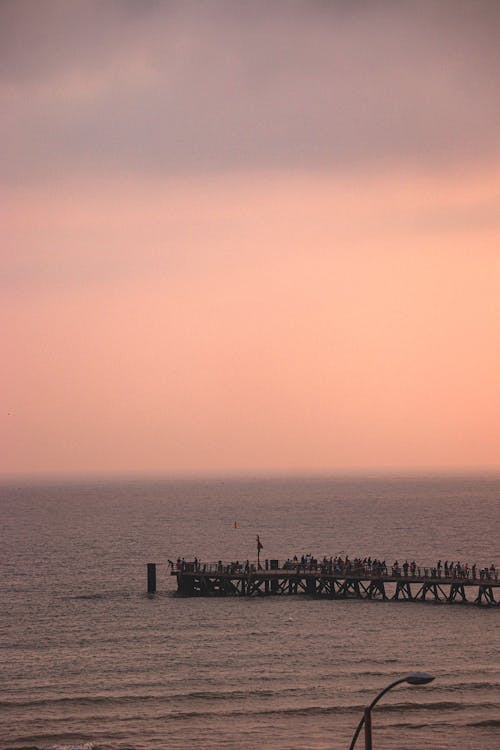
<point x="415" y="678"/>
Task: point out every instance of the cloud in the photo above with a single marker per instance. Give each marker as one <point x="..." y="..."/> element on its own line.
<point x="95" y="88"/>
<point x="80" y="236"/>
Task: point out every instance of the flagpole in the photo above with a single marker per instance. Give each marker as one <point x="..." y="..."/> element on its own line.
<point x="259" y="545"/>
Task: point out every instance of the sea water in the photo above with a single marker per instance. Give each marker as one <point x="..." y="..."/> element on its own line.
<point x="91" y="662"/>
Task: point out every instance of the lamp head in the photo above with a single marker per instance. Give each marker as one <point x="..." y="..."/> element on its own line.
<point x="419" y="678"/>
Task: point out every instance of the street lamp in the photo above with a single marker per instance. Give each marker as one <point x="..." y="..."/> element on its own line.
<point x="415" y="678"/>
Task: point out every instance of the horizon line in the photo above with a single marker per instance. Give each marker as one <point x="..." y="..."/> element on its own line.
<point x="248" y="474"/>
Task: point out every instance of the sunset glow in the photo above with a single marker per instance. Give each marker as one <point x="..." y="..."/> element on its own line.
<point x="264" y="295"/>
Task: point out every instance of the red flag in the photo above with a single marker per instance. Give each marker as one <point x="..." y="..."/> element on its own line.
<point x="259" y="543"/>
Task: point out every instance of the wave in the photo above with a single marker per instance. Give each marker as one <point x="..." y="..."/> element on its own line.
<point x="179" y="697"/>
<point x="400" y="708"/>
<point x="392" y="708"/>
<point x="484" y="723"/>
<point x="81" y="700"/>
<point x="110" y="595"/>
<point x="453" y="687"/>
<point x="300" y="710"/>
<point x="239" y="695"/>
<point x="90" y="597"/>
<point x="64" y="742"/>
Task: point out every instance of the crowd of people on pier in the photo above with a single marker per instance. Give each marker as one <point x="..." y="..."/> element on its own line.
<point x="342" y="565"/>
<point x="375" y="567"/>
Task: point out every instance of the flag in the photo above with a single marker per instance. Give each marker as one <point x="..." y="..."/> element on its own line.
<point x="259" y="543"/>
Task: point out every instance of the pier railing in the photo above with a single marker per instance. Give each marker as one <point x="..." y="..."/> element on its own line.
<point x="320" y="569"/>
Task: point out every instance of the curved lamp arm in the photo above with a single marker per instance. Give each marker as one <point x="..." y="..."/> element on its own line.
<point x="416" y="678"/>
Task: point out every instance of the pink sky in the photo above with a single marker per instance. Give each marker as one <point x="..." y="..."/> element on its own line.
<point x="189" y="286"/>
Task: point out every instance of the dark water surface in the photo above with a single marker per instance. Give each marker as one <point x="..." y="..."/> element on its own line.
<point x="90" y="661"/>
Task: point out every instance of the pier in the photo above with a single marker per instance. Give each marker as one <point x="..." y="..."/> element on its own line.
<point x="271" y="579"/>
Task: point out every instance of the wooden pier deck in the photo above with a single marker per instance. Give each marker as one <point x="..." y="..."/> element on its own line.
<point x="230" y="580"/>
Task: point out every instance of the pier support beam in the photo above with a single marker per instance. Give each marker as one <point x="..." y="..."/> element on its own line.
<point x="310" y="585"/>
<point x="403" y="590"/>
<point x="486" y="592"/>
<point x="228" y="580"/>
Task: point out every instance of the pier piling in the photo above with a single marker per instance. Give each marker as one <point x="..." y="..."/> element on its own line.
<point x="151" y="578"/>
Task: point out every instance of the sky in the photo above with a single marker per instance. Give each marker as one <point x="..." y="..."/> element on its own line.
<point x="249" y="237"/>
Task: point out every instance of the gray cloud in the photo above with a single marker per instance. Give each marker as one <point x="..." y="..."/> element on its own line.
<point x="169" y="87"/>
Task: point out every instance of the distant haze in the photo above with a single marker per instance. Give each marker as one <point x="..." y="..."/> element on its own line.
<point x="243" y="237"/>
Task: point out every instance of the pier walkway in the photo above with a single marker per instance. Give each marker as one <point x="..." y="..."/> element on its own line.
<point x="230" y="579"/>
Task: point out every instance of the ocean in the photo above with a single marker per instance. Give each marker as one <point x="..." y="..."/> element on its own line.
<point x="91" y="662"/>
